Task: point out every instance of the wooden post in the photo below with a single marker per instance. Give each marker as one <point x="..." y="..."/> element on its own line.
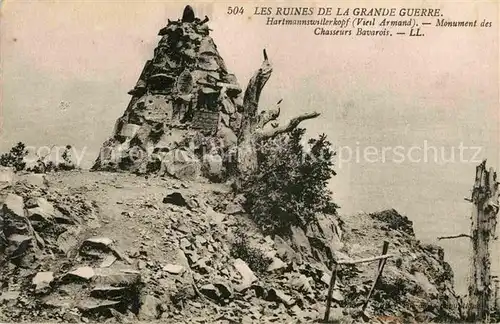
<point x="330" y="292"/>
<point x="381" y="265"/>
<point x="484" y="219"/>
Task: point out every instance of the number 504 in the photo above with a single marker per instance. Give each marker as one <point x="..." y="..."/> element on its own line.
<point x="235" y="10"/>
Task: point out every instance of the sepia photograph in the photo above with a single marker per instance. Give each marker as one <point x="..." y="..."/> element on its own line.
<point x="249" y="162"/>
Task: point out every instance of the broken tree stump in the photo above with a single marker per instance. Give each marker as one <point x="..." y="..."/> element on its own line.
<point x="484" y="220"/>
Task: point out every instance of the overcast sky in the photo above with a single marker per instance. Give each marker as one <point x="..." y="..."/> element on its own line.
<point x="67" y="67"/>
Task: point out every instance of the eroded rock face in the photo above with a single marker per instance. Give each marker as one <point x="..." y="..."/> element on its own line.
<point x="185" y="100"/>
<point x="417" y="284"/>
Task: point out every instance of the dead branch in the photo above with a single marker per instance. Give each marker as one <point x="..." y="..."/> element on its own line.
<point x="254" y="88"/>
<point x="454" y="236"/>
<point x="204" y="21"/>
<point x="267" y="116"/>
<point x="292" y="124"/>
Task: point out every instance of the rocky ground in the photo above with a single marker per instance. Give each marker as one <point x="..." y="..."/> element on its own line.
<point x="82" y="246"/>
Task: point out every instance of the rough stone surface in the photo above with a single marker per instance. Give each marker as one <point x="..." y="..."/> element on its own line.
<point x="42" y="280"/>
<point x="173" y="268"/>
<point x="149" y="308"/>
<point x="248" y="277"/>
<point x="81" y="273"/>
<point x="184" y="101"/>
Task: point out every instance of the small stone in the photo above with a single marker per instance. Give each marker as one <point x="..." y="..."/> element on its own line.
<point x="234" y="208"/>
<point x="141" y="265"/>
<point x="193" y="257"/>
<point x="337" y="295"/>
<point x="120" y="254"/>
<point x="280" y="296"/>
<point x="9" y="295"/>
<point x="92" y="304"/>
<point x="81" y="273"/>
<point x="325" y="278"/>
<point x="96" y="245"/>
<point x="183" y="229"/>
<point x="215" y="216"/>
<point x="276" y="264"/>
<point x="201" y="265"/>
<point x="224" y="290"/>
<point x="175" y="198"/>
<point x="200" y="239"/>
<point x="302" y="283"/>
<point x="173" y="268"/>
<point x="210" y="291"/>
<point x="42" y="280"/>
<point x="184" y="243"/>
<point x="71" y="317"/>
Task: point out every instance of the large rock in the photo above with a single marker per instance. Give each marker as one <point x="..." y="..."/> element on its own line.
<point x="300" y="241"/>
<point x="324" y="238"/>
<point x="84" y="273"/>
<point x="280" y="296"/>
<point x="181" y="164"/>
<point x="247" y="275"/>
<point x="113" y="277"/>
<point x="41" y="213"/>
<point x="96" y="246"/>
<point x="285" y="251"/>
<point x="13" y="219"/>
<point x="42" y="280"/>
<point x="68" y="240"/>
<point x="149" y="309"/>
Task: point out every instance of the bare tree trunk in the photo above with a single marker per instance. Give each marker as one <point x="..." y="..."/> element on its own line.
<point x="253" y="130"/>
<point x="484" y="219"/>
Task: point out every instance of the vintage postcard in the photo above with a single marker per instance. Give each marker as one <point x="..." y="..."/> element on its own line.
<point x="249" y="162"/>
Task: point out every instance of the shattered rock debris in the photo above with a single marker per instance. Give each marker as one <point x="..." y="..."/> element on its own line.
<point x="174" y="262"/>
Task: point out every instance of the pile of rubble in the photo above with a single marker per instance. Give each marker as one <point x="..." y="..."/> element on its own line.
<point x="185" y="110"/>
<point x="64" y="260"/>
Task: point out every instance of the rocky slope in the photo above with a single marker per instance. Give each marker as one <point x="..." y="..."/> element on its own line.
<point x="83" y="246"/>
